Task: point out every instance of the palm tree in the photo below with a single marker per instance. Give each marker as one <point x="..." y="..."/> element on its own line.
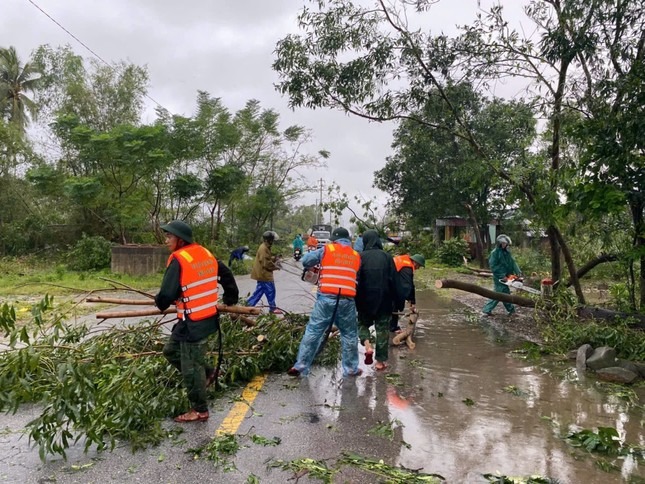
<point x="15" y="80"/>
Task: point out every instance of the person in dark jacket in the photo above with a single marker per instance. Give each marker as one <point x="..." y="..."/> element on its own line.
<point x="197" y="319"/>
<point x="376" y="294"/>
<point x="264" y="265"/>
<point x="238" y="254"/>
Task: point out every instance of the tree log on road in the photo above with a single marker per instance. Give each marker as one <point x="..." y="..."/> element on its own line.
<point x="584" y="312"/>
<point x="465" y="286"/>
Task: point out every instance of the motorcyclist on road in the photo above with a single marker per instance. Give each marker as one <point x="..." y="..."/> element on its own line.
<point x="298" y="243"/>
<point x="312" y="243"/>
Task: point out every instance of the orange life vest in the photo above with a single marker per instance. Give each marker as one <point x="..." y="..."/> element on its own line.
<point x="401" y="261"/>
<point x="198" y="279"/>
<point x="340" y="265"/>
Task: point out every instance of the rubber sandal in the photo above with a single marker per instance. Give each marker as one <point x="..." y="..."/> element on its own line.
<point x="380" y="368"/>
<point x="293" y="372"/>
<point x="358" y="372"/>
<point x="192" y="416"/>
<point x="369" y="357"/>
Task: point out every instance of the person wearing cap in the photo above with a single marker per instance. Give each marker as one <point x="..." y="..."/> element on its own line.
<point x="405" y="267"/>
<point x="237" y="254"/>
<point x="264" y="265"/>
<point x="502" y="265"/>
<point x="191" y="282"/>
<point x="376" y="295"/>
<point x="334" y="304"/>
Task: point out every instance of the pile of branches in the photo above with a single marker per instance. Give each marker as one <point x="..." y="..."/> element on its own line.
<point x="99" y="385"/>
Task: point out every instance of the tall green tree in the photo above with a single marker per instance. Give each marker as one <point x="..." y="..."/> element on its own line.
<point x="434" y="174"/>
<point x="250" y="168"/>
<point x="611" y="165"/>
<point x="101" y="96"/>
<point x="113" y="174"/>
<point x="17" y="80"/>
<point x="350" y="54"/>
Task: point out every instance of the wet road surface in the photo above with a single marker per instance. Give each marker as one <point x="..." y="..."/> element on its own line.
<point x="460" y="405"/>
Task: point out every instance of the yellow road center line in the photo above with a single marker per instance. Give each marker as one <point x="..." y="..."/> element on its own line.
<point x="233" y="420"/>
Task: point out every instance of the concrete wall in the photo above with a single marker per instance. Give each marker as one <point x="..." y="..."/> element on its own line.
<point x="139" y="260"/>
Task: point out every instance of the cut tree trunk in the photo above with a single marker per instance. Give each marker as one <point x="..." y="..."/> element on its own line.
<point x="499" y="296"/>
<point x="584" y="312"/>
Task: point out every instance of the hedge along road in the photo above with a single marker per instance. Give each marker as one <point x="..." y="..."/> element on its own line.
<point x="458" y="405"/>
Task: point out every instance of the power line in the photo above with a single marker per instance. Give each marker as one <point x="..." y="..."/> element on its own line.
<point x="111" y="66"/>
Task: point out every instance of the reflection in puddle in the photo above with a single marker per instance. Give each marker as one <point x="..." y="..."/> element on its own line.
<point x="467" y="407"/>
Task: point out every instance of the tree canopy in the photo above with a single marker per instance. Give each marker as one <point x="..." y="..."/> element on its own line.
<point x="366" y="59"/>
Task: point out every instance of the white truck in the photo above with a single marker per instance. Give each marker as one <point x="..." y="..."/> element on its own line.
<point x="322" y="232"/>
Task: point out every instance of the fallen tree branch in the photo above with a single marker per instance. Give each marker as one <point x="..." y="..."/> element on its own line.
<point x="155" y="312"/>
<point x="478" y="271"/>
<point x="125" y="302"/>
<point x="584" y="312"/>
<point x="499" y="296"/>
<point x="244" y="319"/>
<point x="611" y="316"/>
<point x="601" y="259"/>
<point x="129" y="288"/>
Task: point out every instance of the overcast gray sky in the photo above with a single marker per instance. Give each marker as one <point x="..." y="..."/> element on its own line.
<point x="224" y="47"/>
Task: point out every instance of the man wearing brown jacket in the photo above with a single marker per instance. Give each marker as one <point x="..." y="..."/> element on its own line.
<point x="263" y="266"/>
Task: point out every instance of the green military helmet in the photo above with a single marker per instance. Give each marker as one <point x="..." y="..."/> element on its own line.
<point x="339" y="233"/>
<point x="180" y="229"/>
<point x="419" y="259"/>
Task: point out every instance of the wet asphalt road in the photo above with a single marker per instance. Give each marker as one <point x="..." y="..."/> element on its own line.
<point x="448" y="398"/>
<point x="303" y="413"/>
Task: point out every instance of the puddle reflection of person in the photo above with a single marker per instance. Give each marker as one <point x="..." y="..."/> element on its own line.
<point x="415" y="432"/>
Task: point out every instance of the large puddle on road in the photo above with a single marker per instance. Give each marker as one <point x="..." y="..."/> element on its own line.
<point x="469" y="407"/>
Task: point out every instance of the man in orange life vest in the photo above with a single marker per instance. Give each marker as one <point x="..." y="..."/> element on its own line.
<point x="191" y="283"/>
<point x="334" y="304"/>
<point x="405" y="266"/>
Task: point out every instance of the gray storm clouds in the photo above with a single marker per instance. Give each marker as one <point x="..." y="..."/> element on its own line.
<point x="222" y="47"/>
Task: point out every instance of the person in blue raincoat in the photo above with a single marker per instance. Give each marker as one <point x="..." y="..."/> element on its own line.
<point x="502" y="264"/>
<point x="298" y="243"/>
<point x="334" y="304"/>
<point x="237" y="254"/>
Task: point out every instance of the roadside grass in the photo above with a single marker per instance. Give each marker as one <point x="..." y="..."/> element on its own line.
<point x="26" y="281"/>
<point x="37" y="277"/>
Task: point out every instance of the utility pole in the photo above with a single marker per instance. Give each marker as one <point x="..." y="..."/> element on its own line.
<point x="319" y="211"/>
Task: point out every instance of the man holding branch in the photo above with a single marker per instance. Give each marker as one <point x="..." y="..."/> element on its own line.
<point x="191" y="282"/>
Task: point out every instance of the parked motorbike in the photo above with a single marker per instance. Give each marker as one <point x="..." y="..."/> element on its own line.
<point x="297" y="254"/>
